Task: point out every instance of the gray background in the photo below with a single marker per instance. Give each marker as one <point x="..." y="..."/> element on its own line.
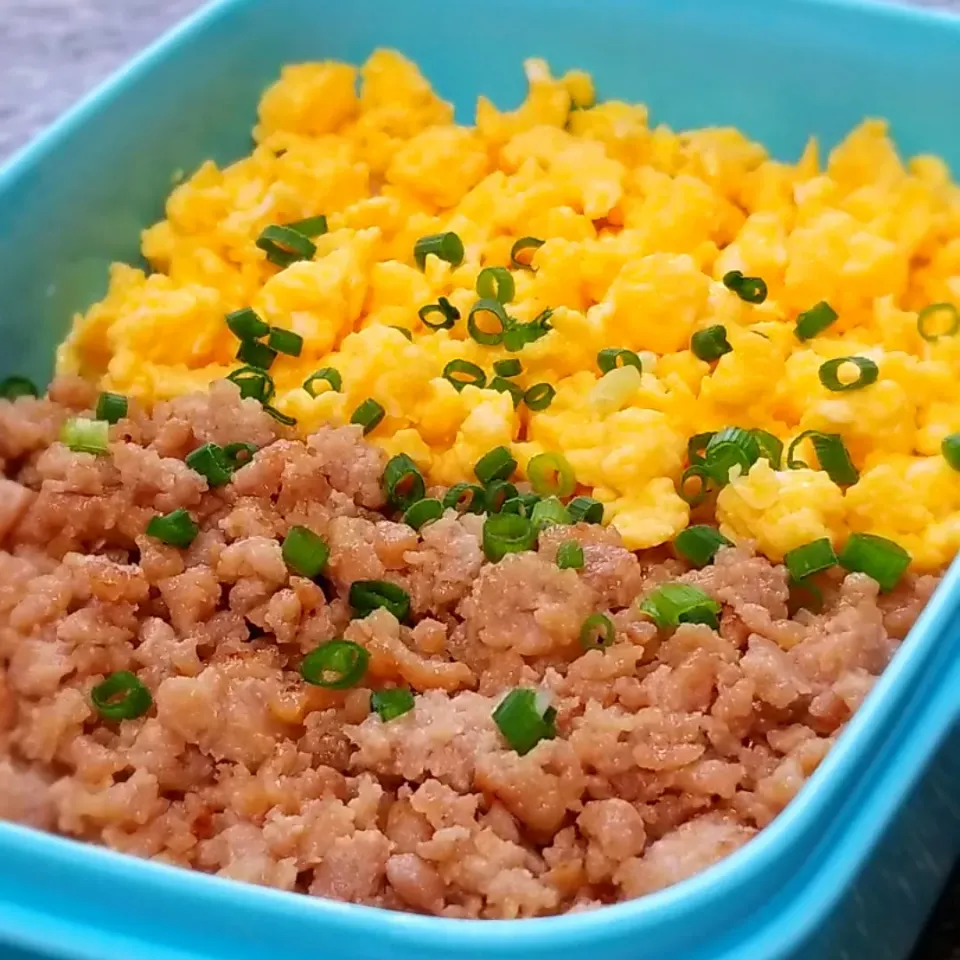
<point x="52" y="51"/>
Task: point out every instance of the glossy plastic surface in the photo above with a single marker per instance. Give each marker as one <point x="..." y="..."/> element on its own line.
<point x="851" y="868"/>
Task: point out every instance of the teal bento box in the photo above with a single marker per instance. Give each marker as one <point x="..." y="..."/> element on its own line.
<point x="852" y="867"/>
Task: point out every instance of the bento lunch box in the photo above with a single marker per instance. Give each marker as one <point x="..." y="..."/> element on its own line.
<point x="854" y="864"/>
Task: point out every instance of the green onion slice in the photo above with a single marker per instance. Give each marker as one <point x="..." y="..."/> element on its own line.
<point x="570" y="555"/>
<point x="833" y="456"/>
<point x="121" y="697"/>
<point x="517" y="335"/>
<point x="463" y="373"/>
<point x="310" y="226"/>
<point x="403" y="483"/>
<point x="483" y="308"/>
<point x="524" y="243"/>
<point x="815" y="320"/>
<point x="613" y="357"/>
<point x="449" y="314"/>
<point x="867" y="373"/>
<point x="551" y="475"/>
<point x="210" y="462"/>
<point x="505" y="533"/>
<point x="938" y="320"/>
<point x="811" y="558"/>
<point x="280" y="417"/>
<point x="698" y="545"/>
<point x="176" y="529"/>
<point x="496" y="464"/>
<point x="749" y="289"/>
<point x="875" y="556"/>
<point x="728" y="449"/>
<point x="239" y="453"/>
<point x="549" y="512"/>
<point x="324" y="373"/>
<point x="13" y="387"/>
<point x="305" y="552"/>
<point x="511" y="367"/>
<point x="539" y="396"/>
<point x="496" y="283"/>
<point x="285" y="341"/>
<point x="368" y="414"/>
<point x="771" y="447"/>
<point x="697" y="446"/>
<point x="585" y="510"/>
<point x="246" y="324"/>
<point x="423" y="511"/>
<point x="390" y="704"/>
<point x="699" y="472"/>
<point x="285" y="245"/>
<point x="676" y="603"/>
<point x="256" y="354"/>
<point x="711" y="343"/>
<point x="447" y="246"/>
<point x="497" y="494"/>
<point x="597" y="632"/>
<point x="369" y="595"/>
<point x="505" y="386"/>
<point x="465" y="498"/>
<point x="253" y="382"/>
<point x="336" y="665"/>
<point x="525" y="717"/>
<point x="111" y="407"/>
<point x="950" y="448"/>
<point x="82" y="435"/>
<point x="403" y="331"/>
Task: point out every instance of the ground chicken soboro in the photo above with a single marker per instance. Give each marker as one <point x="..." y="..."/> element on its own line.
<point x="672" y="749"/>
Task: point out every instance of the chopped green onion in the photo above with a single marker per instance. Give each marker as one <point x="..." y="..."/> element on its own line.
<point x="524" y="243"/>
<point x="448" y="312"/>
<point x="710" y="343"/>
<point x="549" y="512"/>
<point x="525" y="717"/>
<point x="465" y="498"/>
<point x="487" y="338"/>
<point x="701" y="473"/>
<point x="551" y="475"/>
<point x="868" y="372"/>
<point x="280" y="417"/>
<point x="423" y="511"/>
<point x="877" y="557"/>
<point x="310" y="226"/>
<point x="305" y="552"/>
<point x="254" y="383"/>
<point x="403" y="331"/>
<point x="324" y="373"/>
<point x="697" y="446"/>
<point x="285" y="245"/>
<point x="517" y="335"/>
<point x="285" y="341"/>
<point x="699" y="544"/>
<point x="239" y="453"/>
<point x="447" y="246"/>
<point x="597" y="632"/>
<point x="570" y="555"/>
<point x="246" y="324"/>
<point x="403" y="483"/>
<point x="13" y="387"/>
<point x="85" y="436"/>
<point x="950" y="448"/>
<point x="496" y="283"/>
<point x="539" y="396"/>
<point x="121" y="697"/>
<point x="585" y="510"/>
<point x="522" y="503"/>
<point x="815" y="320"/>
<point x="368" y="415"/>
<point x="771" y="447"/>
<point x="813" y="557"/>
<point x="390" y="704"/>
<point x="496" y="464"/>
<point x="676" y="603"/>
<point x="794" y="462"/>
<point x="176" y="529"/>
<point x="728" y="449"/>
<point x="111" y="407"/>
<point x="210" y="462"/>
<point x="463" y="373"/>
<point x="511" y="367"/>
<point x="833" y="456"/>
<point x="336" y="665"/>
<point x="749" y="289"/>
<point x="613" y="357"/>
<point x="505" y="386"/>
<point x="369" y="595"/>
<point x="926" y="321"/>
<point x="256" y="354"/>
<point x="497" y="493"/>
<point x="505" y="533"/>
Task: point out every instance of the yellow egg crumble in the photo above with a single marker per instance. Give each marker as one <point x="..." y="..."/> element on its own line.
<point x="640" y="226"/>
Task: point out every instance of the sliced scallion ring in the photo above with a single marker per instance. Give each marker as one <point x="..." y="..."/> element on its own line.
<point x="246" y="324"/>
<point x="698" y="545"/>
<point x="524" y="243"/>
<point x="711" y="343"/>
<point x="305" y="552"/>
<point x="570" y="555"/>
<point x="748" y="289"/>
<point x="253" y="382"/>
<point x="511" y="367"/>
<point x="551" y="475"/>
<point x="328" y="374"/>
<point x="698" y="472"/>
<point x="255" y="354"/>
<point x="111" y="407"/>
<point x="465" y="498"/>
<point x="83" y="435"/>
<point x="496" y="283"/>
<point x="447" y="246"/>
<point x="674" y="603"/>
<point x="525" y="717"/>
<point x="482" y="309"/>
<point x="403" y="482"/>
<point x="13" y="387"/>
<point x="597" y="632"/>
<point x="336" y="665"/>
<point x="585" y="510"/>
<point x="811" y="558"/>
<point x="447" y="314"/>
<point x="121" y="696"/>
<point x="613" y="357"/>
<point x="505" y="533"/>
<point x="938" y="320"/>
<point x="368" y="415"/>
<point x="539" y="396"/>
<point x="867" y="373"/>
<point x="877" y="557"/>
<point x="495" y="464"/>
<point x="390" y="704"/>
<point x="422" y="512"/>
<point x="176" y="529"/>
<point x="463" y="373"/>
<point x="815" y="320"/>
<point x="369" y="595"/>
<point x="285" y="245"/>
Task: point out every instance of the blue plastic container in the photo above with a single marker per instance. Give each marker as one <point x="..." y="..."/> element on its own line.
<point x="852" y="867"/>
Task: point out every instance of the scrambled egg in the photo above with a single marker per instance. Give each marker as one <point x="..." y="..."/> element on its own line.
<point x="640" y="225"/>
